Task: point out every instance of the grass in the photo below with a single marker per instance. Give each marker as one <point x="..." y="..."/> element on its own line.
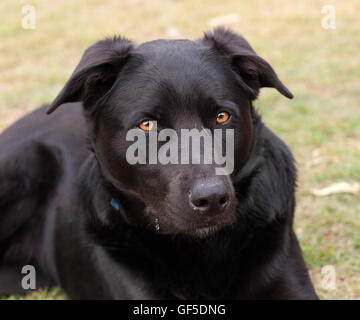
<point x="321" y="67"/>
<point x="42" y="294"/>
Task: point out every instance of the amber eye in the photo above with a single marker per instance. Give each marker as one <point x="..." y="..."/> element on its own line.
<point x="146" y="125"/>
<point x="222" y="117"/>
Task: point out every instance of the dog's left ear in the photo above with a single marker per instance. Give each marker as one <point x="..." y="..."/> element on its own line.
<point x="253" y="70"/>
<point x="95" y="74"/>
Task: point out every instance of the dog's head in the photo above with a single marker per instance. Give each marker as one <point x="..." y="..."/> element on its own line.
<point x="171" y="84"/>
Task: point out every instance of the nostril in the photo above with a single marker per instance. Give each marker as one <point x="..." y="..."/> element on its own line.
<point x="223" y="202"/>
<point x="201" y="203"/>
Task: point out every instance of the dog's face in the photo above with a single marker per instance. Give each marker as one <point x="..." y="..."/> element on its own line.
<point x="180" y="85"/>
<point x="171" y="84"/>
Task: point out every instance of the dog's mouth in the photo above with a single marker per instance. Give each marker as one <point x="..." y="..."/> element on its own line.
<point x="190" y="229"/>
<point x="201" y="231"/>
<point x="187" y="223"/>
<point x="212" y="229"/>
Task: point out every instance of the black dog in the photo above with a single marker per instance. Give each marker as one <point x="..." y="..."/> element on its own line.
<point x="73" y="207"/>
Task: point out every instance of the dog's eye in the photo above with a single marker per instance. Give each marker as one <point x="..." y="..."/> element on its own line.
<point x="222" y="117"/>
<point x="146" y="125"/>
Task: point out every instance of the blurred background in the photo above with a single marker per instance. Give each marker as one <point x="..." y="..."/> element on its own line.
<point x="318" y="60"/>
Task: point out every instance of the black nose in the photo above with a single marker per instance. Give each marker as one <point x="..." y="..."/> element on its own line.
<point x="209" y="198"/>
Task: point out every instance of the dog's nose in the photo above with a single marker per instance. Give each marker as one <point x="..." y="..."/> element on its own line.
<point x="209" y="198"/>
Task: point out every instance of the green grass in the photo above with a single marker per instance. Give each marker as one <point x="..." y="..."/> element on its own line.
<point x="43" y="294"/>
<point x="322" y="68"/>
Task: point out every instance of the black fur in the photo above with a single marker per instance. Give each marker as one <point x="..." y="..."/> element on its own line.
<point x="56" y="188"/>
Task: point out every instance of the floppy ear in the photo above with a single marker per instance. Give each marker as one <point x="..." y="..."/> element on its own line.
<point x="95" y="73"/>
<point x="254" y="71"/>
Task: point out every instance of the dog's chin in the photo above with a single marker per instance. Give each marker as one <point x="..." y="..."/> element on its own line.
<point x="204" y="232"/>
<point x="194" y="233"/>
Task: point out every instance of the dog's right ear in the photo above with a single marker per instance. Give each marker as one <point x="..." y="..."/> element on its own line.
<point x="95" y="73"/>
